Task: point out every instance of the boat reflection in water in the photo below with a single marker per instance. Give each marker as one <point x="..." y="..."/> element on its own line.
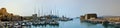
<point x="41" y="26"/>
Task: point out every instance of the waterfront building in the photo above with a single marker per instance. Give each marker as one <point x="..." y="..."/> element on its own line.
<point x="28" y="17"/>
<point x="91" y="16"/>
<point x="82" y="17"/>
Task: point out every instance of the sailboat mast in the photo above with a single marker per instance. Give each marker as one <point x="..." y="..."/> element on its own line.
<point x="38" y="12"/>
<point x="51" y="12"/>
<point x="34" y="8"/>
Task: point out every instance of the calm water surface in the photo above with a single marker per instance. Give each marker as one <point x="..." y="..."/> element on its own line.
<point x="72" y="24"/>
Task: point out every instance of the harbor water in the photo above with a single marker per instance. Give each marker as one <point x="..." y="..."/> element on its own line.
<point x="75" y="23"/>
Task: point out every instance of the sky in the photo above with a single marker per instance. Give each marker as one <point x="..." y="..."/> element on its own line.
<point x="68" y="8"/>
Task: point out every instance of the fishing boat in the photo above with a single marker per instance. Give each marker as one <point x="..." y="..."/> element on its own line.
<point x="53" y="23"/>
